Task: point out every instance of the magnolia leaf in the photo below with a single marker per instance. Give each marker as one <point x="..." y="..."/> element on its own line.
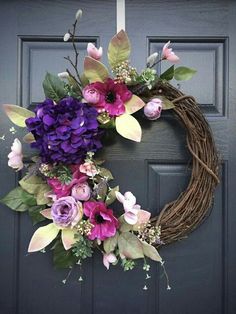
<point x="63" y="258"/>
<point x="134" y="104"/>
<point x="151" y="252"/>
<point x="29" y="138"/>
<point x="47" y="213"/>
<point x="105" y="173"/>
<point x="128" y="127"/>
<point x="84" y="80"/>
<point x="17" y="114"/>
<point x="124" y="226"/>
<point x="35" y="214"/>
<point x="94" y="70"/>
<point x="18" y="200"/>
<point x="111" y="196"/>
<point x="130" y="246"/>
<point x="184" y="73"/>
<point x="143" y="218"/>
<point x="42" y="237"/>
<point x="168" y="74"/>
<point x="166" y="103"/>
<point x="36" y="186"/>
<point x="110" y="244"/>
<point x="68" y="238"/>
<point x="119" y="49"/>
<point x="102" y="190"/>
<point x="53" y="87"/>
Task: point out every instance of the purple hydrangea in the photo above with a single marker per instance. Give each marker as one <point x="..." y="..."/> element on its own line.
<point x="64" y="132"/>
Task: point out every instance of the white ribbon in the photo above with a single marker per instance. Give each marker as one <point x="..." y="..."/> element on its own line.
<point x="120" y="15"/>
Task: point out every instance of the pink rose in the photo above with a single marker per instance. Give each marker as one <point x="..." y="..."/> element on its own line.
<point x="168" y="54"/>
<point x="153" y="108"/>
<point x="89" y="169"/>
<point x="94" y="52"/>
<point x="61" y="189"/>
<point x="91" y="95"/>
<point x="15" y="156"/>
<point x="81" y="192"/>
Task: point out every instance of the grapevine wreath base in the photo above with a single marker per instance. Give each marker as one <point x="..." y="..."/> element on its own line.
<point x="66" y="185"/>
<point x="180" y="217"/>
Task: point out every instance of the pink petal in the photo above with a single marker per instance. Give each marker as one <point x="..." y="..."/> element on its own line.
<point x="111" y="258"/>
<point x="130" y="218"/>
<point x="105" y="262"/>
<point x="120" y="197"/>
<point x="173" y="58"/>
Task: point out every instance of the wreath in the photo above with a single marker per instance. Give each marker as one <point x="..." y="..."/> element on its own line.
<point x="67" y="186"/>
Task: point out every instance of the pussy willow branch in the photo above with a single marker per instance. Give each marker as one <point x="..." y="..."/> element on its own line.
<point x="75" y="63"/>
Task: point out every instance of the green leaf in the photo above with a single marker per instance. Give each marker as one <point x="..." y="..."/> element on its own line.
<point x="42" y="237"/>
<point x="17" y="114"/>
<point x="94" y="70"/>
<point x="36" y="186"/>
<point x="184" y="73"/>
<point x="105" y="173"/>
<point x="18" y="200"/>
<point x="119" y="49"/>
<point x="111" y="197"/>
<point x="63" y="258"/>
<point x="130" y="246"/>
<point x="110" y="244"/>
<point x="54" y="88"/>
<point x="128" y="127"/>
<point x="166" y="103"/>
<point x="168" y="74"/>
<point x="134" y="104"/>
<point x="124" y="226"/>
<point x="151" y="252"/>
<point x="35" y="215"/>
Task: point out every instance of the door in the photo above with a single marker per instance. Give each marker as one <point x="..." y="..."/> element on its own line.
<point x="201" y="268"/>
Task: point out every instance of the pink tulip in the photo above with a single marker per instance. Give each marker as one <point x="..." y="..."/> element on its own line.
<point x="109" y="259"/>
<point x="94" y="52"/>
<point x="168" y="54"/>
<point x="15" y="157"/>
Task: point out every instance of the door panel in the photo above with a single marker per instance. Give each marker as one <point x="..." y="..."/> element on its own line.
<point x="202" y="267"/>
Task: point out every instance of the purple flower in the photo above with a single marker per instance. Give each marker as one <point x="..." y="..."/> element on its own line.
<point x="153" y="108"/>
<point x="64" y="132"/>
<point x="66" y="212"/>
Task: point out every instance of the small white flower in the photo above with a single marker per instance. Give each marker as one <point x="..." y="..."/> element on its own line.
<point x="63" y="75"/>
<point x="78" y="15"/>
<point x="152" y="59"/>
<point x="66" y="37"/>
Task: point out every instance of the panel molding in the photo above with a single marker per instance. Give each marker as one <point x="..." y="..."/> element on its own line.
<point x="214" y="44"/>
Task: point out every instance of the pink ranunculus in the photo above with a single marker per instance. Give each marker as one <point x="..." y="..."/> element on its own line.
<point x="91" y="95"/>
<point x="89" y="169"/>
<point x="168" y="54"/>
<point x="102" y="219"/>
<point x="113" y="96"/>
<point x="61" y="189"/>
<point x="109" y="259"/>
<point x="93" y="52"/>
<point x="81" y="191"/>
<point x="153" y="108"/>
<point x="15" y="156"/>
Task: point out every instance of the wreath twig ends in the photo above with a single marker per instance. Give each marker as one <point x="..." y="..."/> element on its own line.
<point x="180" y="217"/>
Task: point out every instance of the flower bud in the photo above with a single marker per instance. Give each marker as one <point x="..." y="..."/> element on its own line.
<point x="15" y="156"/>
<point x="152" y="59"/>
<point x="66" y="37"/>
<point x="93" y="52"/>
<point x="78" y="15"/>
<point x="81" y="192"/>
<point x="152" y="109"/>
<point x="63" y="75"/>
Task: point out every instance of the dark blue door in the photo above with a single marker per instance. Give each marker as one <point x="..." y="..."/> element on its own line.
<point x="202" y="267"/>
